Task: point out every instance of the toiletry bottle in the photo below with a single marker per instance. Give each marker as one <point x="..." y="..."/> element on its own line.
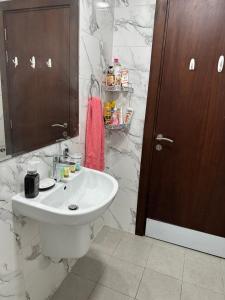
<point x="117" y="71"/>
<point x="124" y="77"/>
<point x="128" y="116"/>
<point x="115" y="120"/>
<point x="66" y="172"/>
<point x="77" y="158"/>
<point x="107" y="112"/>
<point x="110" y="78"/>
<point x="121" y="115"/>
<point x="31" y="180"/>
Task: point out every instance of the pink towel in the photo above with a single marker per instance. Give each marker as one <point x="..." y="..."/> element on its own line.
<point x="95" y="137"/>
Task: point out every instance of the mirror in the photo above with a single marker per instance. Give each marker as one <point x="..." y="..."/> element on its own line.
<point x="39" y="74"/>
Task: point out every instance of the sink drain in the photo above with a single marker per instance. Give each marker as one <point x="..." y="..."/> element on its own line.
<point x="73" y="207"/>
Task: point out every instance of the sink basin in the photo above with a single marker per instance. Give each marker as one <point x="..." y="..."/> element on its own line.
<point x="65" y="233"/>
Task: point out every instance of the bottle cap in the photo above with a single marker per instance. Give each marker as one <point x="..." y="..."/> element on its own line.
<point x="32" y="166"/>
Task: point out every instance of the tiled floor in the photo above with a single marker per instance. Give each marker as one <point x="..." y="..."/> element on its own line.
<point x="121" y="266"/>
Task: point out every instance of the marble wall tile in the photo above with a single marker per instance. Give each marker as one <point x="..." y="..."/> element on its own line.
<point x="91" y="59"/>
<point x="128" y="3"/>
<point x="132" y="44"/>
<point x="11" y="275"/>
<point x="2" y="131"/>
<point x="133" y="25"/>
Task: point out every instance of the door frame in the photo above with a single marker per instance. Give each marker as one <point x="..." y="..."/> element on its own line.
<point x="14" y="5"/>
<point x="155" y="81"/>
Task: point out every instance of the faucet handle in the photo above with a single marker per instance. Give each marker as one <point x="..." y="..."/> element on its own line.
<point x="55" y="158"/>
<point x="66" y="152"/>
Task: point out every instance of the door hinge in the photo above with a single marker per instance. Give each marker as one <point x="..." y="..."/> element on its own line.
<point x="5" y="34"/>
<point x="6" y="56"/>
<point x="11" y="124"/>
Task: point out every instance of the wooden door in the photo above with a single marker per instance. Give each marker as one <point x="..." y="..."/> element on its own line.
<point x="39" y="95"/>
<point x="187" y="177"/>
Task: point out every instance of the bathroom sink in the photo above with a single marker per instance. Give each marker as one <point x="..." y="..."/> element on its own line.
<point x="65" y="212"/>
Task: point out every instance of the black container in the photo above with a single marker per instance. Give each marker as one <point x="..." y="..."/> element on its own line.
<point x="31" y="184"/>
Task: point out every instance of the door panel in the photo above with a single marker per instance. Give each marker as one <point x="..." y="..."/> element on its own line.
<point x="188" y="177"/>
<point x="38" y="97"/>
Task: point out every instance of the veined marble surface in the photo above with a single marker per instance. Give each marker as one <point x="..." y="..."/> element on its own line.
<point x="25" y="274"/>
<point x="132" y="43"/>
<point x="2" y="130"/>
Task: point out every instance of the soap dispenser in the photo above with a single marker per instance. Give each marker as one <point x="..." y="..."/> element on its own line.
<point x="31" y="180"/>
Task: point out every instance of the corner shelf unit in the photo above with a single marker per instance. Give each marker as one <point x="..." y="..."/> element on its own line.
<point x="118" y="89"/>
<point x="118" y="127"/>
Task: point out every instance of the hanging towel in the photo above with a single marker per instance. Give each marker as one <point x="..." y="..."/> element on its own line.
<point x="95" y="136"/>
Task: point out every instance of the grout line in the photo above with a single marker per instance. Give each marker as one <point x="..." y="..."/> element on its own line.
<point x="140" y="283"/>
<point x="119" y="292"/>
<point x="92" y="292"/>
<point x="222" y="266"/>
<point x="182" y="277"/>
<point x="205" y="288"/>
<point x="116" y="247"/>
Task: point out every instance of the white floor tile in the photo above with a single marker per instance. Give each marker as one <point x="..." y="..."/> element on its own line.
<point x="122" y="276"/>
<point x="107" y="240"/>
<point x="205" y="274"/>
<point x="202" y="257"/>
<point x="157" y="286"/>
<point x="74" y="288"/>
<point x="92" y="265"/>
<point x="194" y="292"/>
<point x="104" y="293"/>
<point x="134" y="249"/>
<point x="168" y="260"/>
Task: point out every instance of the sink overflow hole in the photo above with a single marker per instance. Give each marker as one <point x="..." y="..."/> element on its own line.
<point x="73" y="207"/>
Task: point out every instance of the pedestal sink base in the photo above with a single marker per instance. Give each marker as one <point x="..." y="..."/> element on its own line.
<point x="65" y="241"/>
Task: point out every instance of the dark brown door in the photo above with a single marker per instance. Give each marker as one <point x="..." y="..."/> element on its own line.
<point x="188" y="176"/>
<point x="38" y="97"/>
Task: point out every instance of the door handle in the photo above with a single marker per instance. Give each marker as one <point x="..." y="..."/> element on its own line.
<point x="64" y="125"/>
<point x="160" y="138"/>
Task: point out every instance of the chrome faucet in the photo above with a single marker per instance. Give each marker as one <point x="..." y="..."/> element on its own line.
<point x="58" y="159"/>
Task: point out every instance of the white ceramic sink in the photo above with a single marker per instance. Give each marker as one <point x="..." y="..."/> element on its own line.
<point x="64" y="232"/>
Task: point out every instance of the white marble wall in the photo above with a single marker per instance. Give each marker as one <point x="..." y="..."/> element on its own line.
<point x="24" y="272"/>
<point x="132" y="41"/>
<point x="2" y="130"/>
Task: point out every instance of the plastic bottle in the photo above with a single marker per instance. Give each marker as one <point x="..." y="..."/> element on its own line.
<point x="32" y="180"/>
<point x="107" y="112"/>
<point x="110" y="77"/>
<point x="117" y="71"/>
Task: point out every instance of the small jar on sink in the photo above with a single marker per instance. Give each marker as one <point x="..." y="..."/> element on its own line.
<point x="76" y="158"/>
